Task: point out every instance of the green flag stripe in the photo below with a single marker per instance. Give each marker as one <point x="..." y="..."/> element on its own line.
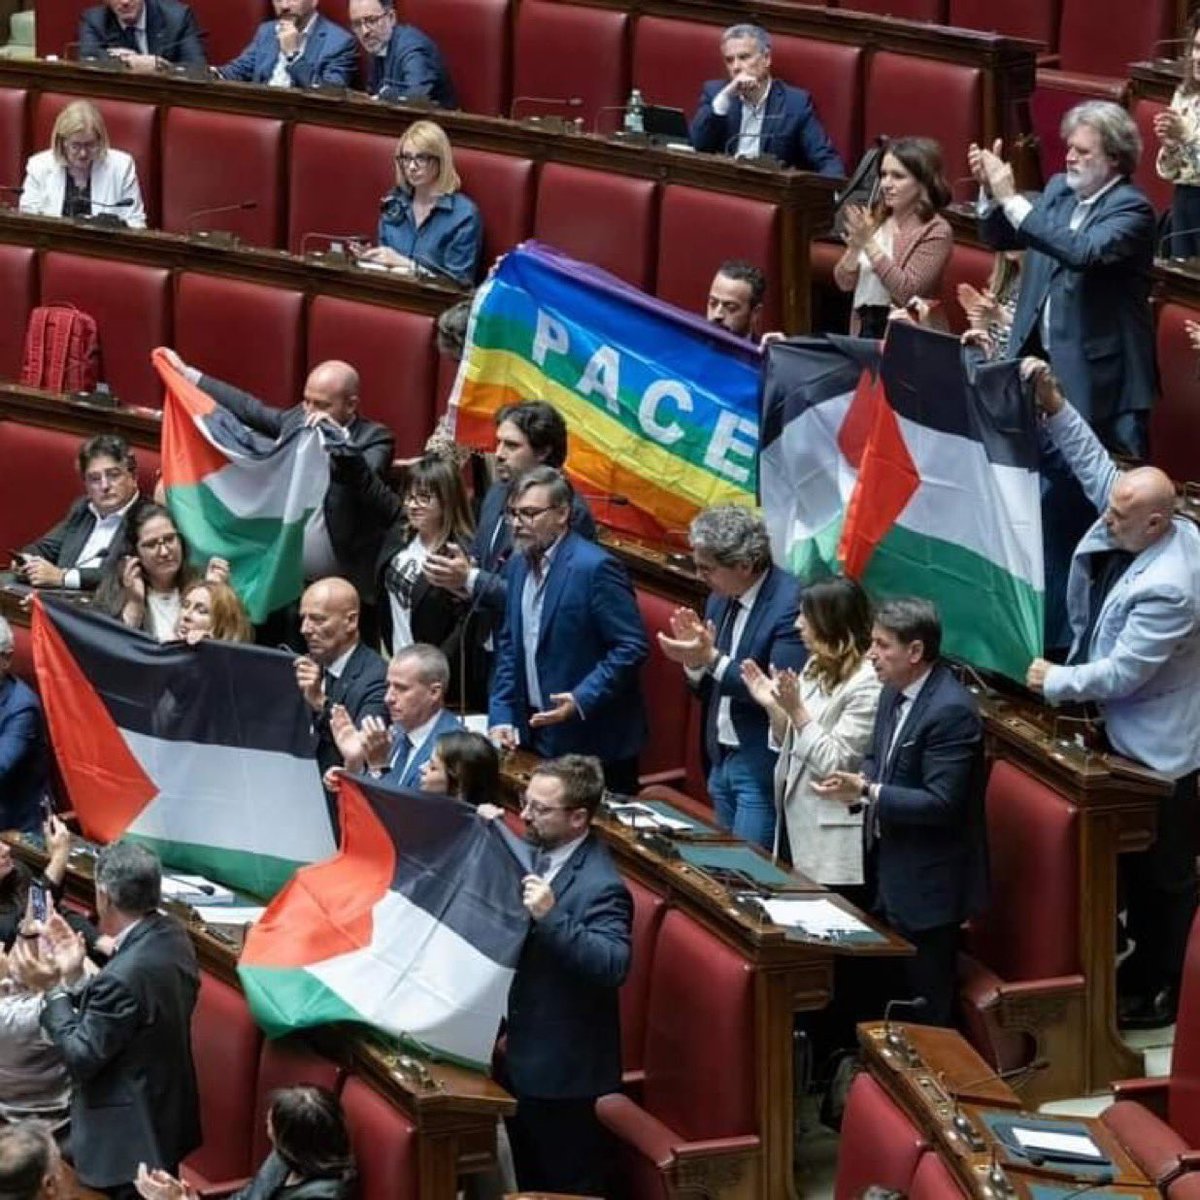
<point x="260" y="875"/>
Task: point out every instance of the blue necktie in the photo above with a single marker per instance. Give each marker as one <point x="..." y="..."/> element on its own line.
<point x="401" y="749"/>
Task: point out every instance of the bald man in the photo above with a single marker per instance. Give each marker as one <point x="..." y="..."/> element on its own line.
<point x="1133" y="597"/>
<point x="343" y="536"/>
<point x="338" y="669"/>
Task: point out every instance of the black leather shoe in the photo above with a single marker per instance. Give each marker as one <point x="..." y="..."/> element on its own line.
<point x="1148" y="1011"/>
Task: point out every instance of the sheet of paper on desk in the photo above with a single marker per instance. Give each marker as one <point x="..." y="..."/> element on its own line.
<point x="817" y="916"/>
<point x="640" y="816"/>
<point x="229" y="914"/>
<point x="1045" y="1141"/>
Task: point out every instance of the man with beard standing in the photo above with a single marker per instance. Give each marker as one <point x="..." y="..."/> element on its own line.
<point x="1084" y="304"/>
<point x="564" y="1039"/>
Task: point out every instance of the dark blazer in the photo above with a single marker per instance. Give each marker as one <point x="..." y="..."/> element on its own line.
<point x="929" y="863"/>
<point x="591" y="643"/>
<point x="409" y="776"/>
<point x="270" y="1183"/>
<point x="330" y="57"/>
<point x="1098" y="283"/>
<point x="171" y="32"/>
<point x="361" y="688"/>
<point x="63" y="544"/>
<point x="354" y="529"/>
<point x="413" y="67"/>
<point x="769" y="637"/>
<point x="22" y="756"/>
<point x="792" y="131"/>
<point x="126" y="1039"/>
<point x="564" y="1030"/>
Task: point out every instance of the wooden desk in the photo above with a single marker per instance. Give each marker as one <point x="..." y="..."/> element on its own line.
<point x="947" y="1091"/>
<point x="791" y="974"/>
<point x="455" y="1110"/>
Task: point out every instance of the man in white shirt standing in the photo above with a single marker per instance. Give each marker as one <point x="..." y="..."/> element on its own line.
<point x="74" y="553"/>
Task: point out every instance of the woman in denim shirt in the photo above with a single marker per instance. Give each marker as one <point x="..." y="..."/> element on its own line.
<point x="427" y="226"/>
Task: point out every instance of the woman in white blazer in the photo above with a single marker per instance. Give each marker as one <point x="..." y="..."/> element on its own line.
<point x="80" y="175"/>
<point x="822" y="719"/>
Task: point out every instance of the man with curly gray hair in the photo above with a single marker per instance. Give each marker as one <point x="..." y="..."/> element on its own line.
<point x="751" y="613"/>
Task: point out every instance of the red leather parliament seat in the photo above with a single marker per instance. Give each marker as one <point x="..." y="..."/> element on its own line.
<point x="475" y="38"/>
<point x="879" y="1145"/>
<point x="13" y="149"/>
<point x="19" y="287"/>
<point x="1175" y="419"/>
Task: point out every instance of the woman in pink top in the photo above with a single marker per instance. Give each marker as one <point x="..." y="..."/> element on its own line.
<point x="897" y="250"/>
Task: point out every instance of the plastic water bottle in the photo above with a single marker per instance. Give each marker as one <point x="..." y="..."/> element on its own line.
<point x="635" y="110"/>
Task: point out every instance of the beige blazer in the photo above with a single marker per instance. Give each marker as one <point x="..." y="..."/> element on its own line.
<point x="825" y="837"/>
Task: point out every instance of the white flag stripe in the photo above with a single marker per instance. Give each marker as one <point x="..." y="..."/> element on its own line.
<point x="952" y="502"/>
<point x="233" y="798"/>
<point x="426" y="981"/>
<point x="249" y="491"/>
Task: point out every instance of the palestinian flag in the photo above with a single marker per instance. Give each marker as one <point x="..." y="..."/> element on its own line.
<point x="203" y="752"/>
<point x="924" y="481"/>
<point x="415" y="928"/>
<point x="238" y="495"/>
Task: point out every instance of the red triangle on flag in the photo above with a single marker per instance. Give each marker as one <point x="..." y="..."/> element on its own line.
<point x="855" y="429"/>
<point x="887" y="478"/>
<point x="326" y="909"/>
<point x="107" y="785"/>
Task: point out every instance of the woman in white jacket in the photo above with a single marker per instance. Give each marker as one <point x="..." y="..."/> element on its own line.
<point x="81" y="175"/>
<point x="822" y="720"/>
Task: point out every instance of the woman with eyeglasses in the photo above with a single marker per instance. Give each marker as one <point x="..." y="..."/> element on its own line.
<point x="145" y="588"/>
<point x="426" y="225"/>
<point x="432" y="514"/>
<point x="81" y="175"/>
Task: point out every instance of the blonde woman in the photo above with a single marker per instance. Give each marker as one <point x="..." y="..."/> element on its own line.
<point x="81" y="175"/>
<point x="822" y="719"/>
<point x="427" y="225"/>
<point x="897" y="252"/>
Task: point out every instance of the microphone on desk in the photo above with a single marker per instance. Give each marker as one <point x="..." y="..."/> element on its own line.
<point x="739" y="138"/>
<point x="217" y="210"/>
<point x="961" y="1124"/>
<point x="543" y="102"/>
<point x="1175" y="233"/>
<point x="609" y="108"/>
<point x="892" y="1037"/>
<point x="1103" y="1179"/>
<point x="331" y="239"/>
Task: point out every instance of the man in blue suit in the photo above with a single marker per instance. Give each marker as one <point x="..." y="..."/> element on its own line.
<point x="402" y="61"/>
<point x="143" y="33"/>
<point x="1084" y="303"/>
<point x="301" y="49"/>
<point x="572" y="641"/>
<point x="528" y="435"/>
<point x="753" y="114"/>
<point x="563" y="1030"/>
<point x="396" y="752"/>
<point x="922" y="783"/>
<point x="1134" y="601"/>
<point x="22" y="746"/>
<point x="751" y="614"/>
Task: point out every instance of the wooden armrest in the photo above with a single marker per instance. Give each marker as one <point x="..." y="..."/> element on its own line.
<point x="1149" y="1093"/>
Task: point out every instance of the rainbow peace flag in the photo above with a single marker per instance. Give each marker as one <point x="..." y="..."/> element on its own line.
<point x="661" y="406"/>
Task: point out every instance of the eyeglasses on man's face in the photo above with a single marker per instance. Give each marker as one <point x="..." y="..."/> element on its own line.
<point x="528" y="513"/>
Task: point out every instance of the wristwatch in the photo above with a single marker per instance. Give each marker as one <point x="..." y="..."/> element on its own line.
<point x="865" y="790"/>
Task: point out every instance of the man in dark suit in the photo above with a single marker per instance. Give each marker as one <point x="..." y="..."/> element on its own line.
<point x="343" y="537"/>
<point x="751" y="613"/>
<point x="126" y="1032"/>
<point x="145" y="34"/>
<point x="301" y="49"/>
<point x="22" y="746"/>
<point x="338" y="670"/>
<point x="922" y="783"/>
<point x="752" y="114"/>
<point x="563" y="1033"/>
<point x="417" y="679"/>
<point x="572" y="642"/>
<point x="1084" y="303"/>
<point x="74" y="553"/>
<point x="402" y="61"/>
<point x="528" y="435"/>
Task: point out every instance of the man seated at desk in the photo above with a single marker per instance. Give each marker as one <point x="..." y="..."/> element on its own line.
<point x="144" y="34"/>
<point x="401" y="60"/>
<point x="74" y="553"/>
<point x="735" y="298"/>
<point x="753" y="114"/>
<point x="301" y="49"/>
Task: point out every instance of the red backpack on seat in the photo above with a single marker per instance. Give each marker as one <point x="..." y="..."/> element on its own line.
<point x="62" y="350"/>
